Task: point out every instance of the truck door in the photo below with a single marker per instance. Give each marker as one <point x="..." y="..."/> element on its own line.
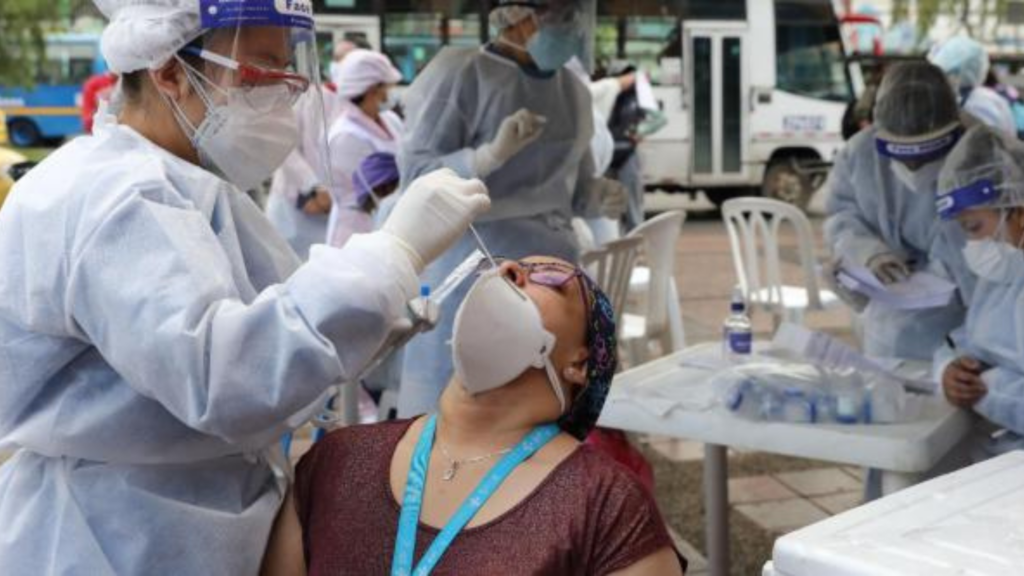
<point x="715" y="56"/>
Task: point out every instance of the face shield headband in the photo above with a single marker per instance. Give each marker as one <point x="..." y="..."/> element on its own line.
<point x="921" y="152"/>
<point x="295" y="17"/>
<point x="958" y="200"/>
<point x="279" y="13"/>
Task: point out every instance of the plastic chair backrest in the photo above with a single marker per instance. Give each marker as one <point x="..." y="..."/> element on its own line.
<point x="659" y="235"/>
<point x="611" y="267"/>
<point x="584" y="236"/>
<point x="754" y="225"/>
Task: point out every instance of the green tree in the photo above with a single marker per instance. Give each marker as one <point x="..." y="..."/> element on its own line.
<point x="22" y="27"/>
<point x="978" y="18"/>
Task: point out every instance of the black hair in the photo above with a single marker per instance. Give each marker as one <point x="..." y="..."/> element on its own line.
<point x="132" y="83"/>
<point x="358" y="100"/>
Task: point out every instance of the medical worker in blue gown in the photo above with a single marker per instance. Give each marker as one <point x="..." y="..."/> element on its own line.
<point x="157" y="335"/>
<point x="881" y="210"/>
<point x="965" y="62"/>
<point x="510" y="114"/>
<point x="982" y="367"/>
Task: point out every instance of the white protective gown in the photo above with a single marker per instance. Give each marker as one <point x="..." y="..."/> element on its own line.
<point x="994" y="335"/>
<point x="987" y="105"/>
<point x="872" y="212"/>
<point x="156" y="337"/>
<point x="353" y="137"/>
<point x="304" y="168"/>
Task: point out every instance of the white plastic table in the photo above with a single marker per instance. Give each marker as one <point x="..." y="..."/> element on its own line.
<point x="901" y="451"/>
<point x="967" y="522"/>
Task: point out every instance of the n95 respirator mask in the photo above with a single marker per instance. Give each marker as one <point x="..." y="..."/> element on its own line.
<point x="498" y="335"/>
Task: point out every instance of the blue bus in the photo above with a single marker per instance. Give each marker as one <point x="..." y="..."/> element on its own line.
<point x="52" y="109"/>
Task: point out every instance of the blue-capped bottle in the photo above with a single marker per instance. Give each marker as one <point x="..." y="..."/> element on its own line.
<point x="737" y="332"/>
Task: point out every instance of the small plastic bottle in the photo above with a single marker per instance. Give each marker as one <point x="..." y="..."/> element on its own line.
<point x="737" y="333"/>
<point x="799" y="407"/>
<point x="848" y="404"/>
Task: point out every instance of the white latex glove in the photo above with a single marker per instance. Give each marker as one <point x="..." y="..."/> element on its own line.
<point x="433" y="213"/>
<point x="516" y="132"/>
<point x="614" y="197"/>
<point x="855" y="300"/>
<point x="888" y="268"/>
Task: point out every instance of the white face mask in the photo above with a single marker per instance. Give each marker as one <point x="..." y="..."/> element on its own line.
<point x="993" y="259"/>
<point x="921" y="180"/>
<point x="498" y="335"/>
<point x="240" y="140"/>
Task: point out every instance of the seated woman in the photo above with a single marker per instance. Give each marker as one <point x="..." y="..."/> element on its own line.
<point x="497" y="482"/>
<point x="982" y="368"/>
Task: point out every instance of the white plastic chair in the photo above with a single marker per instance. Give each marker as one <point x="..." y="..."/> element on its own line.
<point x="584" y="236"/>
<point x="611" y="266"/>
<point x="754" y="225"/>
<point x="658" y="318"/>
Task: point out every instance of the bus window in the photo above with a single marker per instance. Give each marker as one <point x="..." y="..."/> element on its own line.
<point x="644" y="32"/>
<point x="415" y="31"/>
<point x="643" y="44"/>
<point x="714" y="9"/>
<point x="809" y="52"/>
<point x="66" y="64"/>
<point x="343" y="6"/>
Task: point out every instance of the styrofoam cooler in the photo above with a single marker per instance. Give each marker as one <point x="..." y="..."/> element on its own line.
<point x="970" y="522"/>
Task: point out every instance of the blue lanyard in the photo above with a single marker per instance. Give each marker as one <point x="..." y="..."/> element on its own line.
<point x="412" y="502"/>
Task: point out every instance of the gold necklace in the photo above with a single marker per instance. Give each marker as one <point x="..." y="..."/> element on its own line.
<point x="455" y="464"/>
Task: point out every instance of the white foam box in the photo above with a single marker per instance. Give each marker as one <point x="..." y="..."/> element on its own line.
<point x="968" y="523"/>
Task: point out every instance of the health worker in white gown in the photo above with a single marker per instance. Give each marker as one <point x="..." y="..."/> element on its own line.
<point x="157" y="335"/>
<point x="511" y="114"/>
<point x="366" y="125"/>
<point x="982" y="366"/>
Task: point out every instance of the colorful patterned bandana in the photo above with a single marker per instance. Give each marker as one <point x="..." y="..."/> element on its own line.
<point x="601" y="362"/>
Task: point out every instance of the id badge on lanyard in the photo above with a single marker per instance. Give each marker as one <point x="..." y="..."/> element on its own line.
<point x="412" y="501"/>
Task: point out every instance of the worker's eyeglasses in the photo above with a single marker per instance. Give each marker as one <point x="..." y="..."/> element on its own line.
<point x="276" y="87"/>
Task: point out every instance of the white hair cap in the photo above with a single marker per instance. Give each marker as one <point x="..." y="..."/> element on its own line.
<point x="508" y="16"/>
<point x="963" y="59"/>
<point x="144" y="34"/>
<point x="362" y="70"/>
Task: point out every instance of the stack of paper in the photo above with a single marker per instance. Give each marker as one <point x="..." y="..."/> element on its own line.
<point x="921" y="290"/>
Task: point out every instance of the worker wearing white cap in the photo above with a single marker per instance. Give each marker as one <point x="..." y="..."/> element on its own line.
<point x="966" y="64"/>
<point x="367" y="124"/>
<point x="156" y="335"/>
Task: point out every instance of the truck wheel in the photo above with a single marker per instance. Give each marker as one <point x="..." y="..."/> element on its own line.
<point x="23" y="133"/>
<point x="719" y="196"/>
<point x="783" y="182"/>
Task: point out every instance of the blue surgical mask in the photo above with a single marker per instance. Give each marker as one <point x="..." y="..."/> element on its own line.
<point x="553" y="46"/>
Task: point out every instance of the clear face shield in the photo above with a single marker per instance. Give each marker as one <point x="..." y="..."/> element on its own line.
<point x="257" y="72"/>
